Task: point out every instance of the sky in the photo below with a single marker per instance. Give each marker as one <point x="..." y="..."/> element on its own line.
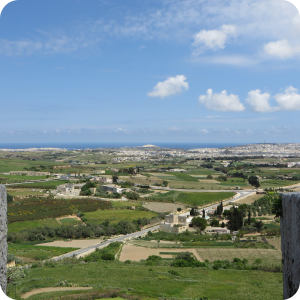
<point x="150" y="71"/>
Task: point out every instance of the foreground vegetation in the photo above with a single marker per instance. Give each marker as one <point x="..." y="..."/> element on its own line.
<point x="152" y="282"/>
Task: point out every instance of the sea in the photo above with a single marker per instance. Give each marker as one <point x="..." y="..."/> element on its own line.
<point x="74" y="146"/>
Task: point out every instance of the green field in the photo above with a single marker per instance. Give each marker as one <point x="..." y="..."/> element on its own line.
<point x="185" y="177"/>
<point x="191" y="198"/>
<point x="33" y="252"/>
<point x="17" y="226"/>
<point x="39" y="185"/>
<point x="125" y="203"/>
<point x="7" y="165"/>
<point x="114" y="216"/>
<point x="155" y="282"/>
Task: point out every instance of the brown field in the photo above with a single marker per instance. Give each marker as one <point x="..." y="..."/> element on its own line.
<point x="208" y="181"/>
<point x="73" y="243"/>
<point x="276" y="242"/>
<point x="162" y="207"/>
<point x="267" y="255"/>
<point x="250" y="199"/>
<point x="131" y="252"/>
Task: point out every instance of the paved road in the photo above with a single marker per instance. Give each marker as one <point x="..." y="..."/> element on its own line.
<point x="103" y="244"/>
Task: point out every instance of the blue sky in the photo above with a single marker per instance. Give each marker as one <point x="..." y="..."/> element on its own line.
<point x="150" y="71"/>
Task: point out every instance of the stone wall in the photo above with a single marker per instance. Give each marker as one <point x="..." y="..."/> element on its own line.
<point x="290" y="243"/>
<point x="3" y="234"/>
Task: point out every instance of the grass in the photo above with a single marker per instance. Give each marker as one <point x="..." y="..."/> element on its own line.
<point x="39" y="185"/>
<point x="267" y="255"/>
<point x="33" y="252"/>
<point x="191" y="198"/>
<point x="114" y="216"/>
<point x="125" y="203"/>
<point x="18" y="226"/>
<point x="185" y="177"/>
<point x="7" y="165"/>
<point x="272" y="183"/>
<point x="192" y="283"/>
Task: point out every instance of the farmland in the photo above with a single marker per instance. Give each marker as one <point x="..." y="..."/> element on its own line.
<point x="45" y="208"/>
<point x="114" y="216"/>
<point x="31" y="252"/>
<point x="37" y="219"/>
<point x="18" y="226"/>
<point x="191" y="198"/>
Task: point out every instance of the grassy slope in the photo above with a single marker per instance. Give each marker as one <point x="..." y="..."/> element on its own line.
<point x="114" y="216"/>
<point x="192" y="283"/>
<point x="37" y="252"/>
<point x="17" y="226"/>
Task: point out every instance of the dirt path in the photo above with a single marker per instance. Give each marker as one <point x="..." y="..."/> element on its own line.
<point x="53" y="289"/>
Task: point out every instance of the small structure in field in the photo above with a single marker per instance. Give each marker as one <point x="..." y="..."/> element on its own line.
<point x="68" y="189"/>
<point x="175" y="223"/>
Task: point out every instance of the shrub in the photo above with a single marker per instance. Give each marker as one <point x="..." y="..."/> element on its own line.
<point x="173" y="272"/>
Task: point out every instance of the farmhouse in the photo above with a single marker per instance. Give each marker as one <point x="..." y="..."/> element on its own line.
<point x="112" y="188"/>
<point x="102" y="179"/>
<point x="174" y="223"/>
<point x="68" y="189"/>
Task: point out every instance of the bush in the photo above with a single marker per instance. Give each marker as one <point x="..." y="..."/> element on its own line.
<point x="14" y="274"/>
<point x="173" y="272"/>
<point x="108" y="256"/>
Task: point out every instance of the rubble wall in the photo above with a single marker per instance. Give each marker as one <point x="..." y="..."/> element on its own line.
<point x="290" y="243"/>
<point x="3" y="234"/>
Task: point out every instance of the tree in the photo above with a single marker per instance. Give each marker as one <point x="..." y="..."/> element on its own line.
<point x="178" y="208"/>
<point x="115" y="178"/>
<point x="253" y="180"/>
<point x="165" y="183"/>
<point x="203" y="213"/>
<point x="235" y="219"/>
<point x="259" y="225"/>
<point x="199" y="222"/>
<point x="220" y="209"/>
<point x="214" y="223"/>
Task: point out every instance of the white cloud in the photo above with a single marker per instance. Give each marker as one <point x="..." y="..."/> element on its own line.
<point x="290" y="100"/>
<point x="203" y="130"/>
<point x="221" y="102"/>
<point x="233" y="60"/>
<point x="282" y="49"/>
<point x="212" y="39"/>
<point x="171" y="86"/>
<point x="260" y="102"/>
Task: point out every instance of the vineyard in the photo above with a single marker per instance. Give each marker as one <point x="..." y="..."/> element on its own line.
<point x="44" y="208"/>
